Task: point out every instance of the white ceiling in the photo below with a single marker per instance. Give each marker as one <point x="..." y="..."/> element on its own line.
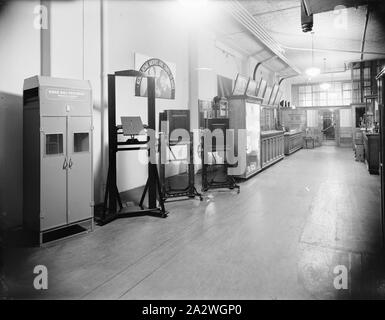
<point x="335" y="44"/>
<point x="232" y="33"/>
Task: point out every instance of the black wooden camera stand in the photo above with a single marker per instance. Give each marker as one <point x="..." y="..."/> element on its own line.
<point x="152" y="188"/>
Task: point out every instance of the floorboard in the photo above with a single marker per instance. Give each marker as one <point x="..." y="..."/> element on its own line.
<point x="280" y="238"/>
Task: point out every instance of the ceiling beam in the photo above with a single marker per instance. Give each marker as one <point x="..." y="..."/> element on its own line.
<point x="242" y="15"/>
<point x="269" y="58"/>
<point x="274" y="11"/>
<point x="317" y="6"/>
<point x="257" y="53"/>
<point x="332" y="50"/>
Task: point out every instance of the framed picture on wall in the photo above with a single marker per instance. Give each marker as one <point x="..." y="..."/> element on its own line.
<point x="240" y="87"/>
<point x="267" y="95"/>
<point x="251" y="88"/>
<point x="273" y="95"/>
<point x="261" y="89"/>
<point x="224" y="86"/>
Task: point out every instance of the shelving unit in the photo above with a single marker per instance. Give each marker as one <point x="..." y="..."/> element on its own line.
<point x="293" y="142"/>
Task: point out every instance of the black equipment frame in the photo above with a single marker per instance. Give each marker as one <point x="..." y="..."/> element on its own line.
<point x="190" y="191"/>
<point x="229" y="183"/>
<point x="153" y="186"/>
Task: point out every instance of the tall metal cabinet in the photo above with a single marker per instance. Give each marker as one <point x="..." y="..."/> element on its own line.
<point x="57" y="154"/>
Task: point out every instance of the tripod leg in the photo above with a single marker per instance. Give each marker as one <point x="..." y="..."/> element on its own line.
<point x="197" y="194"/>
<point x="106" y="195"/>
<point x="119" y="198"/>
<point x="161" y="202"/>
<point x="143" y="194"/>
<point x="204" y="168"/>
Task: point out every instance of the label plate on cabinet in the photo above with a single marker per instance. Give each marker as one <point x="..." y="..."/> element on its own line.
<point x="66" y="94"/>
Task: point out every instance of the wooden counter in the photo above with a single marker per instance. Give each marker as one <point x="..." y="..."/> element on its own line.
<point x="272" y="147"/>
<point x="372" y="152"/>
<point x="293" y="142"/>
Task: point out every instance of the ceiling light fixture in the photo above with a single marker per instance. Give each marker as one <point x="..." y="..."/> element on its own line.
<point x="312" y="71"/>
<point x="325" y="86"/>
<point x="192" y="4"/>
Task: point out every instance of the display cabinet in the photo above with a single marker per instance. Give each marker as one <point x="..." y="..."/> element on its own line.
<point x="372" y="152"/>
<point x="57" y="154"/>
<point x="293" y="119"/>
<point x="272" y="147"/>
<point x="268" y="117"/>
<point x="244" y="114"/>
<point x="293" y="141"/>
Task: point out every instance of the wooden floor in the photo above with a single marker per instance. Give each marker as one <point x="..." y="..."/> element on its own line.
<point x="280" y="238"/>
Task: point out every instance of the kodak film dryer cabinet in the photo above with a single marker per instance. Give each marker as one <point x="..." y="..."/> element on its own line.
<point x="57" y="159"/>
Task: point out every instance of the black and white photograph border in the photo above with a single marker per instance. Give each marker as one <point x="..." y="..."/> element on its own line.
<point x="217" y="151"/>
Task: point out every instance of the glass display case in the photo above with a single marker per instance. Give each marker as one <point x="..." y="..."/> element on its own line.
<point x="268" y="118"/>
<point x="244" y="114"/>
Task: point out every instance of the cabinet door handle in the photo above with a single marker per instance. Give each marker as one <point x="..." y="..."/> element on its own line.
<point x="70" y="164"/>
<point x="65" y="164"/>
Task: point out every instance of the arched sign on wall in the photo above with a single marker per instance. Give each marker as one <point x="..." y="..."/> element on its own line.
<point x="163" y="72"/>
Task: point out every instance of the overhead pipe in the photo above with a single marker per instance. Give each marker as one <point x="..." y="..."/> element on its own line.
<point x="256" y="69"/>
<point x="267" y="67"/>
<point x="280" y="81"/>
<point x="333" y="50"/>
<point x="241" y="14"/>
<point x="364" y="33"/>
<point x="285" y="78"/>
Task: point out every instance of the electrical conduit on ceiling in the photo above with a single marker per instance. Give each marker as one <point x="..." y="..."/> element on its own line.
<point x="332" y="50"/>
<point x="248" y="21"/>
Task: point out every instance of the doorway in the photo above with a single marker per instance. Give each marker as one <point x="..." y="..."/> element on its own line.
<point x="328" y="125"/>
